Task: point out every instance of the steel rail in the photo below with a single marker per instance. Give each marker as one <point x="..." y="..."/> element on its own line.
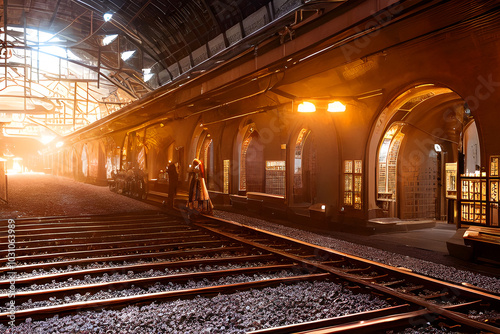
<point x="341" y="320"/>
<point x="84" y="233"/>
<point x="142" y="256"/>
<point x="136" y="268"/>
<point x="89" y="228"/>
<point x="375" y="321"/>
<point x="123" y="250"/>
<point x="83" y="226"/>
<point x="40" y="223"/>
<point x="109" y="217"/>
<point x="105" y="245"/>
<point x="36" y="295"/>
<point x="104" y="238"/>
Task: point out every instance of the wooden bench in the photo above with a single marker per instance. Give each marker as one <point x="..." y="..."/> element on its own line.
<point x="485" y="242"/>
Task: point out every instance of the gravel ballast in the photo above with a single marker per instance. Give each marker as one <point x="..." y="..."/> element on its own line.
<point x="234" y="313"/>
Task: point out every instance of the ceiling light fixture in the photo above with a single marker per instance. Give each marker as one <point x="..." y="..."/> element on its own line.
<point x="336" y="106"/>
<point x="306" y="107"/>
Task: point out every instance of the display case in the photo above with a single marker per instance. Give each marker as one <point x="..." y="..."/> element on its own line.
<point x="353" y="181"/>
<point x="275" y="177"/>
<point x="494" y="183"/>
<point x="479" y="196"/>
<point x="473" y="199"/>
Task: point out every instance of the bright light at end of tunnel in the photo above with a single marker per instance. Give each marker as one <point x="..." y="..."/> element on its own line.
<point x="437" y="148"/>
<point x="47" y="139"/>
<point x="323" y="207"/>
<point x="306" y="107"/>
<point x="107" y="16"/>
<point x="336" y="106"/>
<point x="59" y="144"/>
<point x="127" y="54"/>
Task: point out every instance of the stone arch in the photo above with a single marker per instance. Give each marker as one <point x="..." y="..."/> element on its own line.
<point x="412" y="138"/>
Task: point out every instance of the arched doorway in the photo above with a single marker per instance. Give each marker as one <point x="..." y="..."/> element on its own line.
<point x="252" y="171"/>
<point x="419" y="141"/>
<point x="304" y="170"/>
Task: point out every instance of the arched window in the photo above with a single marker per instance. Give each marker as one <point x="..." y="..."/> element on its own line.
<point x="387" y="162"/>
<point x="304" y="168"/>
<point x="252" y="167"/>
<point x="243" y="163"/>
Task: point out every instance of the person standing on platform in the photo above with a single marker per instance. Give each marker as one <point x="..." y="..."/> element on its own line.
<point x="173" y="178"/>
<point x="199" y="200"/>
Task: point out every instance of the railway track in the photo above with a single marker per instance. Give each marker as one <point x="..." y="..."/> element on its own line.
<point x="429" y="300"/>
<point x="71" y="264"/>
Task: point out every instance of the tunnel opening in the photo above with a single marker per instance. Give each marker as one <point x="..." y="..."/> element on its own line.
<point x="429" y="137"/>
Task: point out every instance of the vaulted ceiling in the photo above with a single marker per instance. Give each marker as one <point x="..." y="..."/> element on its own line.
<point x="162" y="38"/>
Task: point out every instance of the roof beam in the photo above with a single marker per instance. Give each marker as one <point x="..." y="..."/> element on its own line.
<point x="55" y="13"/>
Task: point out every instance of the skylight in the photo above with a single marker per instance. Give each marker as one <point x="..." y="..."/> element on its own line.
<point x="127" y="54"/>
<point x="108" y="39"/>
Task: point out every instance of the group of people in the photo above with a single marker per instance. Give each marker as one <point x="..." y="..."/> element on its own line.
<point x="198" y="198"/>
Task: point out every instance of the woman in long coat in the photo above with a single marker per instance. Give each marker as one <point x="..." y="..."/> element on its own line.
<point x="199" y="200"/>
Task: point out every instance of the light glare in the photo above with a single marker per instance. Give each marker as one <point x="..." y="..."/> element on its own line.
<point x="147" y="74"/>
<point x="107" y="16"/>
<point x="336" y="106"/>
<point x="306" y="107"/>
<point x="108" y="39"/>
<point x="47" y="139"/>
<point x="127" y="54"/>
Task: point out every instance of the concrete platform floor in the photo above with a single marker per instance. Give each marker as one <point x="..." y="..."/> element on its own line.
<point x="430" y="239"/>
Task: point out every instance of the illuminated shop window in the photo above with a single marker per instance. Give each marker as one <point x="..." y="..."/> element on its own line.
<point x="473" y="199"/>
<point x="494" y="180"/>
<point x="477" y="199"/>
<point x="353" y="179"/>
<point x="275" y="177"/>
<point x="494" y="197"/>
<point x="226" y="176"/>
